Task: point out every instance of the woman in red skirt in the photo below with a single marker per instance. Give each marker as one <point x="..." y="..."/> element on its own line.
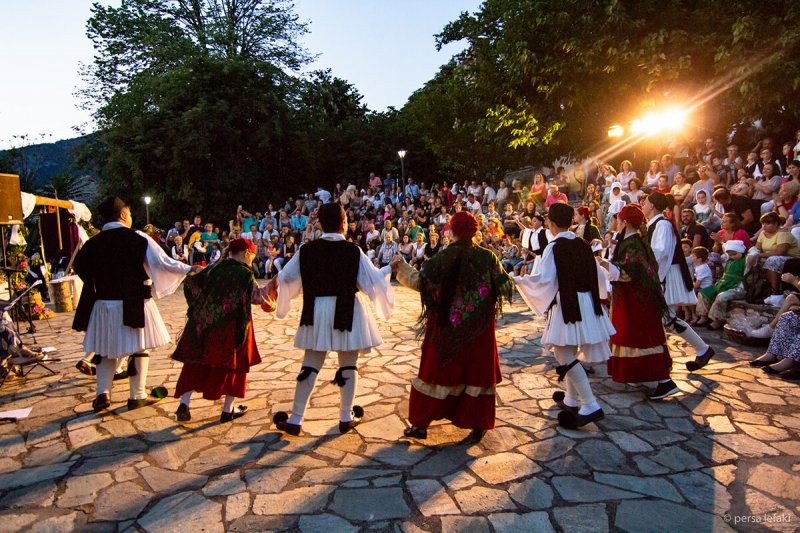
<point x="217" y="346"/>
<point x="462" y="289"/>
<point x="639" y="347"/>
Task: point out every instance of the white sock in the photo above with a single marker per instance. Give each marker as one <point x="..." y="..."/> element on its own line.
<point x="690" y="336"/>
<point x="576" y="378"/>
<point x="347" y="393"/>
<point x="227" y="405"/>
<point x="138" y="383"/>
<point x="105" y="375"/>
<point x="589" y="408"/>
<point x="122" y="364"/>
<point x="186" y="398"/>
<point x="303" y="390"/>
<point x="571" y="395"/>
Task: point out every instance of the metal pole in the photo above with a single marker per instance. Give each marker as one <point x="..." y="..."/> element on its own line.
<point x="403" y="175"/>
<point x="58" y="222"/>
<point x="147" y="212"/>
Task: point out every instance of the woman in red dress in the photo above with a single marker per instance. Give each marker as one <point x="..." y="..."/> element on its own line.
<point x="217" y="346"/>
<point x="639" y="347"/>
<point x="462" y="288"/>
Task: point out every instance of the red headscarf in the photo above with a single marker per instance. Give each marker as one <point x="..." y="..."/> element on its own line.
<point x="240" y="245"/>
<point x="583" y="210"/>
<point x="632" y="213"/>
<point x="463" y="225"/>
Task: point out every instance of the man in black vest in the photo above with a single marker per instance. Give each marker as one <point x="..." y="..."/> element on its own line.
<point x="663" y="239"/>
<point x="116" y="310"/>
<point x="336" y="279"/>
<point x="567" y="287"/>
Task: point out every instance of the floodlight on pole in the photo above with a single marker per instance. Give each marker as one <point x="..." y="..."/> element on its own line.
<point x="615" y="131"/>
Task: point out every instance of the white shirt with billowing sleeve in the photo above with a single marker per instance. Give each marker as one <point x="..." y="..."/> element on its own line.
<point x="106" y="333"/>
<point x="663" y="245"/>
<point x="165" y="272"/>
<point x="540" y="290"/>
<point x="373" y="285"/>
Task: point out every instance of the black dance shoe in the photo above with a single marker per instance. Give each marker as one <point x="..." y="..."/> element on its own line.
<point x="558" y="397"/>
<point x="183" y="413"/>
<point x="239" y="412"/>
<point x="668" y="388"/>
<point x="770" y="370"/>
<point x="136" y="404"/>
<point x="476" y="435"/>
<point x="281" y="422"/>
<point x="121" y="375"/>
<point x="570" y="420"/>
<point x="358" y="415"/>
<point x="700" y="361"/>
<point x="760" y="363"/>
<point x="102" y="402"/>
<point x="85" y="368"/>
<point x="416" y="433"/>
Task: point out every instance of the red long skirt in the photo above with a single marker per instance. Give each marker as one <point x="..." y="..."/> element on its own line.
<point x="463" y="390"/>
<point x="219" y="374"/>
<point x="639" y="348"/>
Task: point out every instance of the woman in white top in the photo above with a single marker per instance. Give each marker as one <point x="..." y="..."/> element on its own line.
<point x="626" y="175"/>
<point x="651" y="178"/>
<point x="418" y="252"/>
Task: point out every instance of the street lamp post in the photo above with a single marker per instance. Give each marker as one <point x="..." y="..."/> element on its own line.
<point x="147" y="201"/>
<point x="402" y="155"/>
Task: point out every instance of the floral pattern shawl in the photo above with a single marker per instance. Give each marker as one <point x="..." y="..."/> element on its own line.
<point x="634" y="258"/>
<point x="461" y="288"/>
<point x="216" y="296"/>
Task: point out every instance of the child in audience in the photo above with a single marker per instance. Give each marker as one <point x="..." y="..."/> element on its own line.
<point x="712" y="301"/>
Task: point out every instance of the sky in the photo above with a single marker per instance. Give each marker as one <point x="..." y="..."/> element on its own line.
<point x="385" y="48"/>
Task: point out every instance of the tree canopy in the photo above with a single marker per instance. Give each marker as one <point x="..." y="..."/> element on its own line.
<point x="555" y="75"/>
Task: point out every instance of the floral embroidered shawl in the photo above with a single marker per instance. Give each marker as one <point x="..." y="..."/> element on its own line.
<point x="462" y="288"/>
<point x="216" y="296"/>
<point x="633" y="257"/>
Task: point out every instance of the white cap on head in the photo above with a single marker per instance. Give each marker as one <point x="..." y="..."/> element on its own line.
<point x="735" y="246"/>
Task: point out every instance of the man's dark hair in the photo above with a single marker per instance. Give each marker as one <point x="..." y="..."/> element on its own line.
<point x="722" y="195"/>
<point x="111" y="208"/>
<point x="561" y="215"/>
<point x="330" y="217"/>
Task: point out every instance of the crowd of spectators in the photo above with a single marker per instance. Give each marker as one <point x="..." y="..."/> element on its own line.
<point x="716" y="194"/>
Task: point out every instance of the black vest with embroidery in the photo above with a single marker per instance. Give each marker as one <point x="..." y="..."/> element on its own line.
<point x="677" y="254"/>
<point x="330" y="268"/>
<point x="111" y="266"/>
<point x="576" y="270"/>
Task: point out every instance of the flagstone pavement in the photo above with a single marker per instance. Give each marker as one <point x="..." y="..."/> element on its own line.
<point x="722" y="455"/>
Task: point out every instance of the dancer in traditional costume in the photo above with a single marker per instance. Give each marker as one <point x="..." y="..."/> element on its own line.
<point x="676" y="282"/>
<point x="218" y="347"/>
<point x="337" y="281"/>
<point x="121" y="269"/>
<point x="566" y="286"/>
<point x="639" y="346"/>
<point x="585" y="228"/>
<point x="461" y="289"/>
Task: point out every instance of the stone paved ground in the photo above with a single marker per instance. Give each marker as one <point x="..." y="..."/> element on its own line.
<point x="727" y="447"/>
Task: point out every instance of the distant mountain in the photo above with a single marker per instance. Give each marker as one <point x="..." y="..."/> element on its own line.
<point x="49" y="159"/>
